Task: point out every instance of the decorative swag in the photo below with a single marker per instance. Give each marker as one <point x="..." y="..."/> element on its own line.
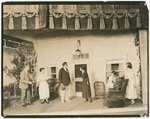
<point x="24" y="16"/>
<point x="71" y="17"/>
<point x="101" y="15"/>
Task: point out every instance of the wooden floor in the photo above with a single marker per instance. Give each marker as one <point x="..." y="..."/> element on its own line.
<point x="76" y="104"/>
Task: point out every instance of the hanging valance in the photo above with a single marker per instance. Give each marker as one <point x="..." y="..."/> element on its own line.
<point x="102" y="15"/>
<point x="23" y="16"/>
<point x="74" y="17"/>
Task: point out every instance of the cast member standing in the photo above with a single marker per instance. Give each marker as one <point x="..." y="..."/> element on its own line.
<point x="131" y="87"/>
<point x="43" y="86"/>
<point x="24" y="86"/>
<point x="64" y="79"/>
<point x="86" y="91"/>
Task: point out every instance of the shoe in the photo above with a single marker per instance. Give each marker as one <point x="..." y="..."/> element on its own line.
<point x="24" y="105"/>
<point x="132" y="103"/>
<point x="47" y="102"/>
<point x="86" y="100"/>
<point x="90" y="101"/>
<point x="29" y="104"/>
<point x="68" y="100"/>
<point x="62" y="101"/>
<point x="42" y="102"/>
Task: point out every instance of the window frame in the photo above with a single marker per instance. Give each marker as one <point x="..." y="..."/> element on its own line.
<point x="114" y="61"/>
<point x="57" y="72"/>
<point x="80" y="58"/>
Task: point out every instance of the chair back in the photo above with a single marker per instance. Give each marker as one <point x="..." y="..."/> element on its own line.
<point x="124" y="85"/>
<point x="99" y="87"/>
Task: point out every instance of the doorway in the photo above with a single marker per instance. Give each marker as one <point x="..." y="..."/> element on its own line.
<point x="77" y="77"/>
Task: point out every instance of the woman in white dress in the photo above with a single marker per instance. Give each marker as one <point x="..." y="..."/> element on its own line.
<point x="131" y="87"/>
<point x="112" y="79"/>
<point x="43" y="86"/>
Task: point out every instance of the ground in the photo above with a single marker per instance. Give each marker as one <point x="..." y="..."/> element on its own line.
<point x="77" y="104"/>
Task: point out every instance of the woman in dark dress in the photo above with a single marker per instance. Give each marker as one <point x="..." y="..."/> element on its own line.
<point x="86" y="92"/>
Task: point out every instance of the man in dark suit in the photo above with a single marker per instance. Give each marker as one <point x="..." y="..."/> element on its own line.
<point x="64" y="79"/>
<point x="24" y="86"/>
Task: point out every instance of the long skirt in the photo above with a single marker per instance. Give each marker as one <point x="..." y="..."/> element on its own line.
<point x="86" y="93"/>
<point x="130" y="90"/>
<point x="44" y="90"/>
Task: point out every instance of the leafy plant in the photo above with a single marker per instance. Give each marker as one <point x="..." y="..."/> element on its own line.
<point x="23" y="55"/>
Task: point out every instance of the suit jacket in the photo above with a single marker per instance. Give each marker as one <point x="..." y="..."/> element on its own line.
<point x="64" y="77"/>
<point x="24" y="79"/>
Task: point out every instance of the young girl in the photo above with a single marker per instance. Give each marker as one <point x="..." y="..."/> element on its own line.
<point x="112" y="79"/>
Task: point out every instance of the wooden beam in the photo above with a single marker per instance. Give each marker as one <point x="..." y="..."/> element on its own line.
<point x="144" y="66"/>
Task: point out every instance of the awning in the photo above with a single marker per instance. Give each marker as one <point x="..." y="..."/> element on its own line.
<point x="75" y="17"/>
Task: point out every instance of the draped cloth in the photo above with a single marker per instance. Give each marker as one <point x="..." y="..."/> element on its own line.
<point x="16" y="17"/>
<point x="43" y="16"/>
<point x="76" y="20"/>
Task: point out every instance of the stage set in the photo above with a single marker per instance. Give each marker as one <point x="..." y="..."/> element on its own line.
<point x="102" y="37"/>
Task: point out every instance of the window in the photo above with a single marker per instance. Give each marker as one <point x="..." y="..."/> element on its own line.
<point x="114" y="65"/>
<point x="52" y="71"/>
<point x="82" y="56"/>
<point x="13" y="42"/>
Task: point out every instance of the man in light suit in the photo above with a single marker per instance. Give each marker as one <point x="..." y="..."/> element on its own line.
<point x="64" y="79"/>
<point x="24" y="86"/>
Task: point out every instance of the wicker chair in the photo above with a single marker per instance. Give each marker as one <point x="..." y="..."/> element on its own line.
<point x="115" y="98"/>
<point x="99" y="87"/>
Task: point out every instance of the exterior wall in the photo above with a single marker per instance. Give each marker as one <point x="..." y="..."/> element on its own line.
<point x="57" y="47"/>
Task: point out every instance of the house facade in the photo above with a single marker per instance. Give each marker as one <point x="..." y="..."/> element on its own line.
<point x="100" y="49"/>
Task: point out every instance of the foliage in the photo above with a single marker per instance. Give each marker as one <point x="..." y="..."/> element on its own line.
<point x="23" y="55"/>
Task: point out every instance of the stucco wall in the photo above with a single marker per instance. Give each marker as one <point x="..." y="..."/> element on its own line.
<point x="57" y="47"/>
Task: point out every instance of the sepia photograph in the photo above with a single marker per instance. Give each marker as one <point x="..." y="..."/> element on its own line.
<point x="75" y="59"/>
